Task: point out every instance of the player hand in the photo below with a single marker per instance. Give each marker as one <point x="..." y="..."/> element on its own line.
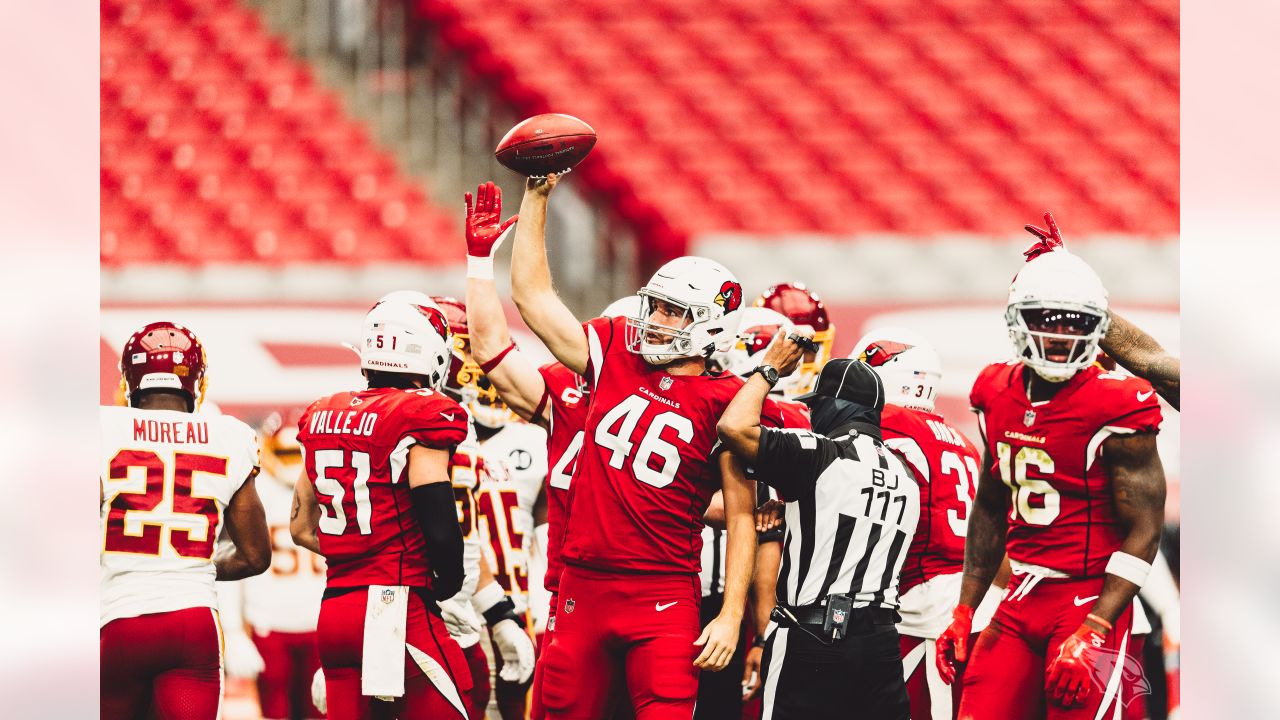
<point x="784" y="353"/>
<point x="1049" y="239"/>
<point x="319" y="697"/>
<point x="459" y="619"/>
<point x="516" y="648"/>
<point x="751" y="673"/>
<point x="953" y="645"/>
<point x="1068" y="678"/>
<point x="242" y="657"/>
<point x="484" y="226"/>
<point x="718" y="641"/>
<point x="770" y="514"/>
<point x="541" y="187"/>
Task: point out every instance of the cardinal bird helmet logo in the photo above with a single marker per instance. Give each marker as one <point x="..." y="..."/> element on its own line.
<point x="436" y="318"/>
<point x="730" y="296"/>
<point x="882" y="351"/>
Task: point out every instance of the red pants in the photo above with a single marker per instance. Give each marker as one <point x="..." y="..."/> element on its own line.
<point x="340" y="637"/>
<point x="641" y="626"/>
<point x="284" y="685"/>
<point x="171" y="662"/>
<point x="537" y="710"/>
<point x="478" y="698"/>
<point x="1005" y="675"/>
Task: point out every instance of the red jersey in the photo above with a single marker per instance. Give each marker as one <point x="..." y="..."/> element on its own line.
<point x="356" y="454"/>
<point x="1061" y="514"/>
<point x="646" y="471"/>
<point x="568" y="400"/>
<point x="945" y="464"/>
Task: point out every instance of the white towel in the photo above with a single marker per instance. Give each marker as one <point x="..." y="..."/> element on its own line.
<point x="385" y="616"/>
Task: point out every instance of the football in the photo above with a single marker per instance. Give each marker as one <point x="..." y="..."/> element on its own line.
<point x="542" y="144"/>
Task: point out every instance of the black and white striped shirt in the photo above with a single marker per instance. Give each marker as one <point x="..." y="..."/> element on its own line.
<point x="852" y="509"/>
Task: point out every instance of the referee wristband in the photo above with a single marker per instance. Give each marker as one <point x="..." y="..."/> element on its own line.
<point x="480" y="268"/>
<point x="1126" y="566"/>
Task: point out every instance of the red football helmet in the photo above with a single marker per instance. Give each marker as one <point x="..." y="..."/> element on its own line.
<point x="802" y="306"/>
<point x="163" y="356"/>
<point x="466" y="382"/>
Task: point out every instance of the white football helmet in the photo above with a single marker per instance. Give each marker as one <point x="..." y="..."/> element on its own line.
<point x="758" y="328"/>
<point x="906" y="363"/>
<point x="405" y="332"/>
<point x="1057" y="309"/>
<point x="707" y="294"/>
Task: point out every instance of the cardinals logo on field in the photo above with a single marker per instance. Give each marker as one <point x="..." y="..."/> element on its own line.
<point x="436" y="318"/>
<point x="730" y="296"/>
<point x="880" y="352"/>
<point x="1132" y="682"/>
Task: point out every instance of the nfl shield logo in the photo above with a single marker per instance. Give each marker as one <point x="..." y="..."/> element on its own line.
<point x="388" y="596"/>
<point x="837" y="616"/>
<point x="568" y="605"/>
<point x="1029" y="419"/>
<point x="665" y="383"/>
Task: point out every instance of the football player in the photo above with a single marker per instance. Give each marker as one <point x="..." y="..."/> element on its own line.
<point x="802" y="306"/>
<point x="170" y="479"/>
<point x="645" y="474"/>
<point x="551" y="396"/>
<point x="377" y="502"/>
<point x="1072" y="487"/>
<point x="945" y="464"/>
<point x="514" y="456"/>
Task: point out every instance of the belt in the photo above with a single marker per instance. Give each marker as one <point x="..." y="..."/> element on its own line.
<point x="816" y="614"/>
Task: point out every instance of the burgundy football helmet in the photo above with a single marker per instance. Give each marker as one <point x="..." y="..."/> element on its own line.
<point x="802" y="306"/>
<point x="466" y="382"/>
<point x="163" y="356"/>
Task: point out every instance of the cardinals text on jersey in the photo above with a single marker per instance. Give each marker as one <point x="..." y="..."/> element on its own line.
<point x="166" y="477"/>
<point x="1061" y="515"/>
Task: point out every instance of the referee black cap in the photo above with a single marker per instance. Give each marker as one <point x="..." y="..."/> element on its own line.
<point x="850" y="380"/>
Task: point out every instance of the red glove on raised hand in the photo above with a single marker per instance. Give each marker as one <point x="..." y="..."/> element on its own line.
<point x="1049" y="239"/>
<point x="483" y="227"/>
<point x="953" y="644"/>
<point x="1070" y="676"/>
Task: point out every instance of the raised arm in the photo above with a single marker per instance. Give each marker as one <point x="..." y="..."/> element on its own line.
<point x="542" y="309"/>
<point x="514" y="375"/>
<point x="739" y="426"/>
<point x="247" y="528"/>
<point x="983" y="555"/>
<point x="1140" y="354"/>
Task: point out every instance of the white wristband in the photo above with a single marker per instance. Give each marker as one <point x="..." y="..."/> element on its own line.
<point x="487" y="596"/>
<point x="1133" y="569"/>
<point x="480" y="268"/>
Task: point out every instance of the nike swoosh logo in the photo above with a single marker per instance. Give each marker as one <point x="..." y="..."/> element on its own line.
<point x="660" y="607"/>
<point x="1081" y="601"/>
<point x="447" y="416"/>
<point x="1142" y="396"/>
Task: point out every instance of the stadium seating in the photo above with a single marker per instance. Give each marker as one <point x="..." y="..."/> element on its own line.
<point x="910" y="116"/>
<point x="217" y="146"/>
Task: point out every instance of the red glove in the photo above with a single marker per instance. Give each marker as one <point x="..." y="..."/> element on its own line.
<point x="953" y="644"/>
<point x="1070" y="675"/>
<point x="1049" y="239"/>
<point x="483" y="227"/>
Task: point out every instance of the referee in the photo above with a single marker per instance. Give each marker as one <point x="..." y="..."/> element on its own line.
<point x="851" y="512"/>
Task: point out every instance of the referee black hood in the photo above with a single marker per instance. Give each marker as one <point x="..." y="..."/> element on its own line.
<point x="847" y="396"/>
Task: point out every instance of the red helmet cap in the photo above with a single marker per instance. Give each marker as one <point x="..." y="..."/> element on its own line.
<point x="164" y="356"/>
<point x="801" y="305"/>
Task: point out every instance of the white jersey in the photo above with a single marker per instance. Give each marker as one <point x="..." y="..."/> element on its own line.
<point x="468" y="475"/>
<point x="166" y="478"/>
<point x="287" y="597"/>
<point x="516" y="459"/>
